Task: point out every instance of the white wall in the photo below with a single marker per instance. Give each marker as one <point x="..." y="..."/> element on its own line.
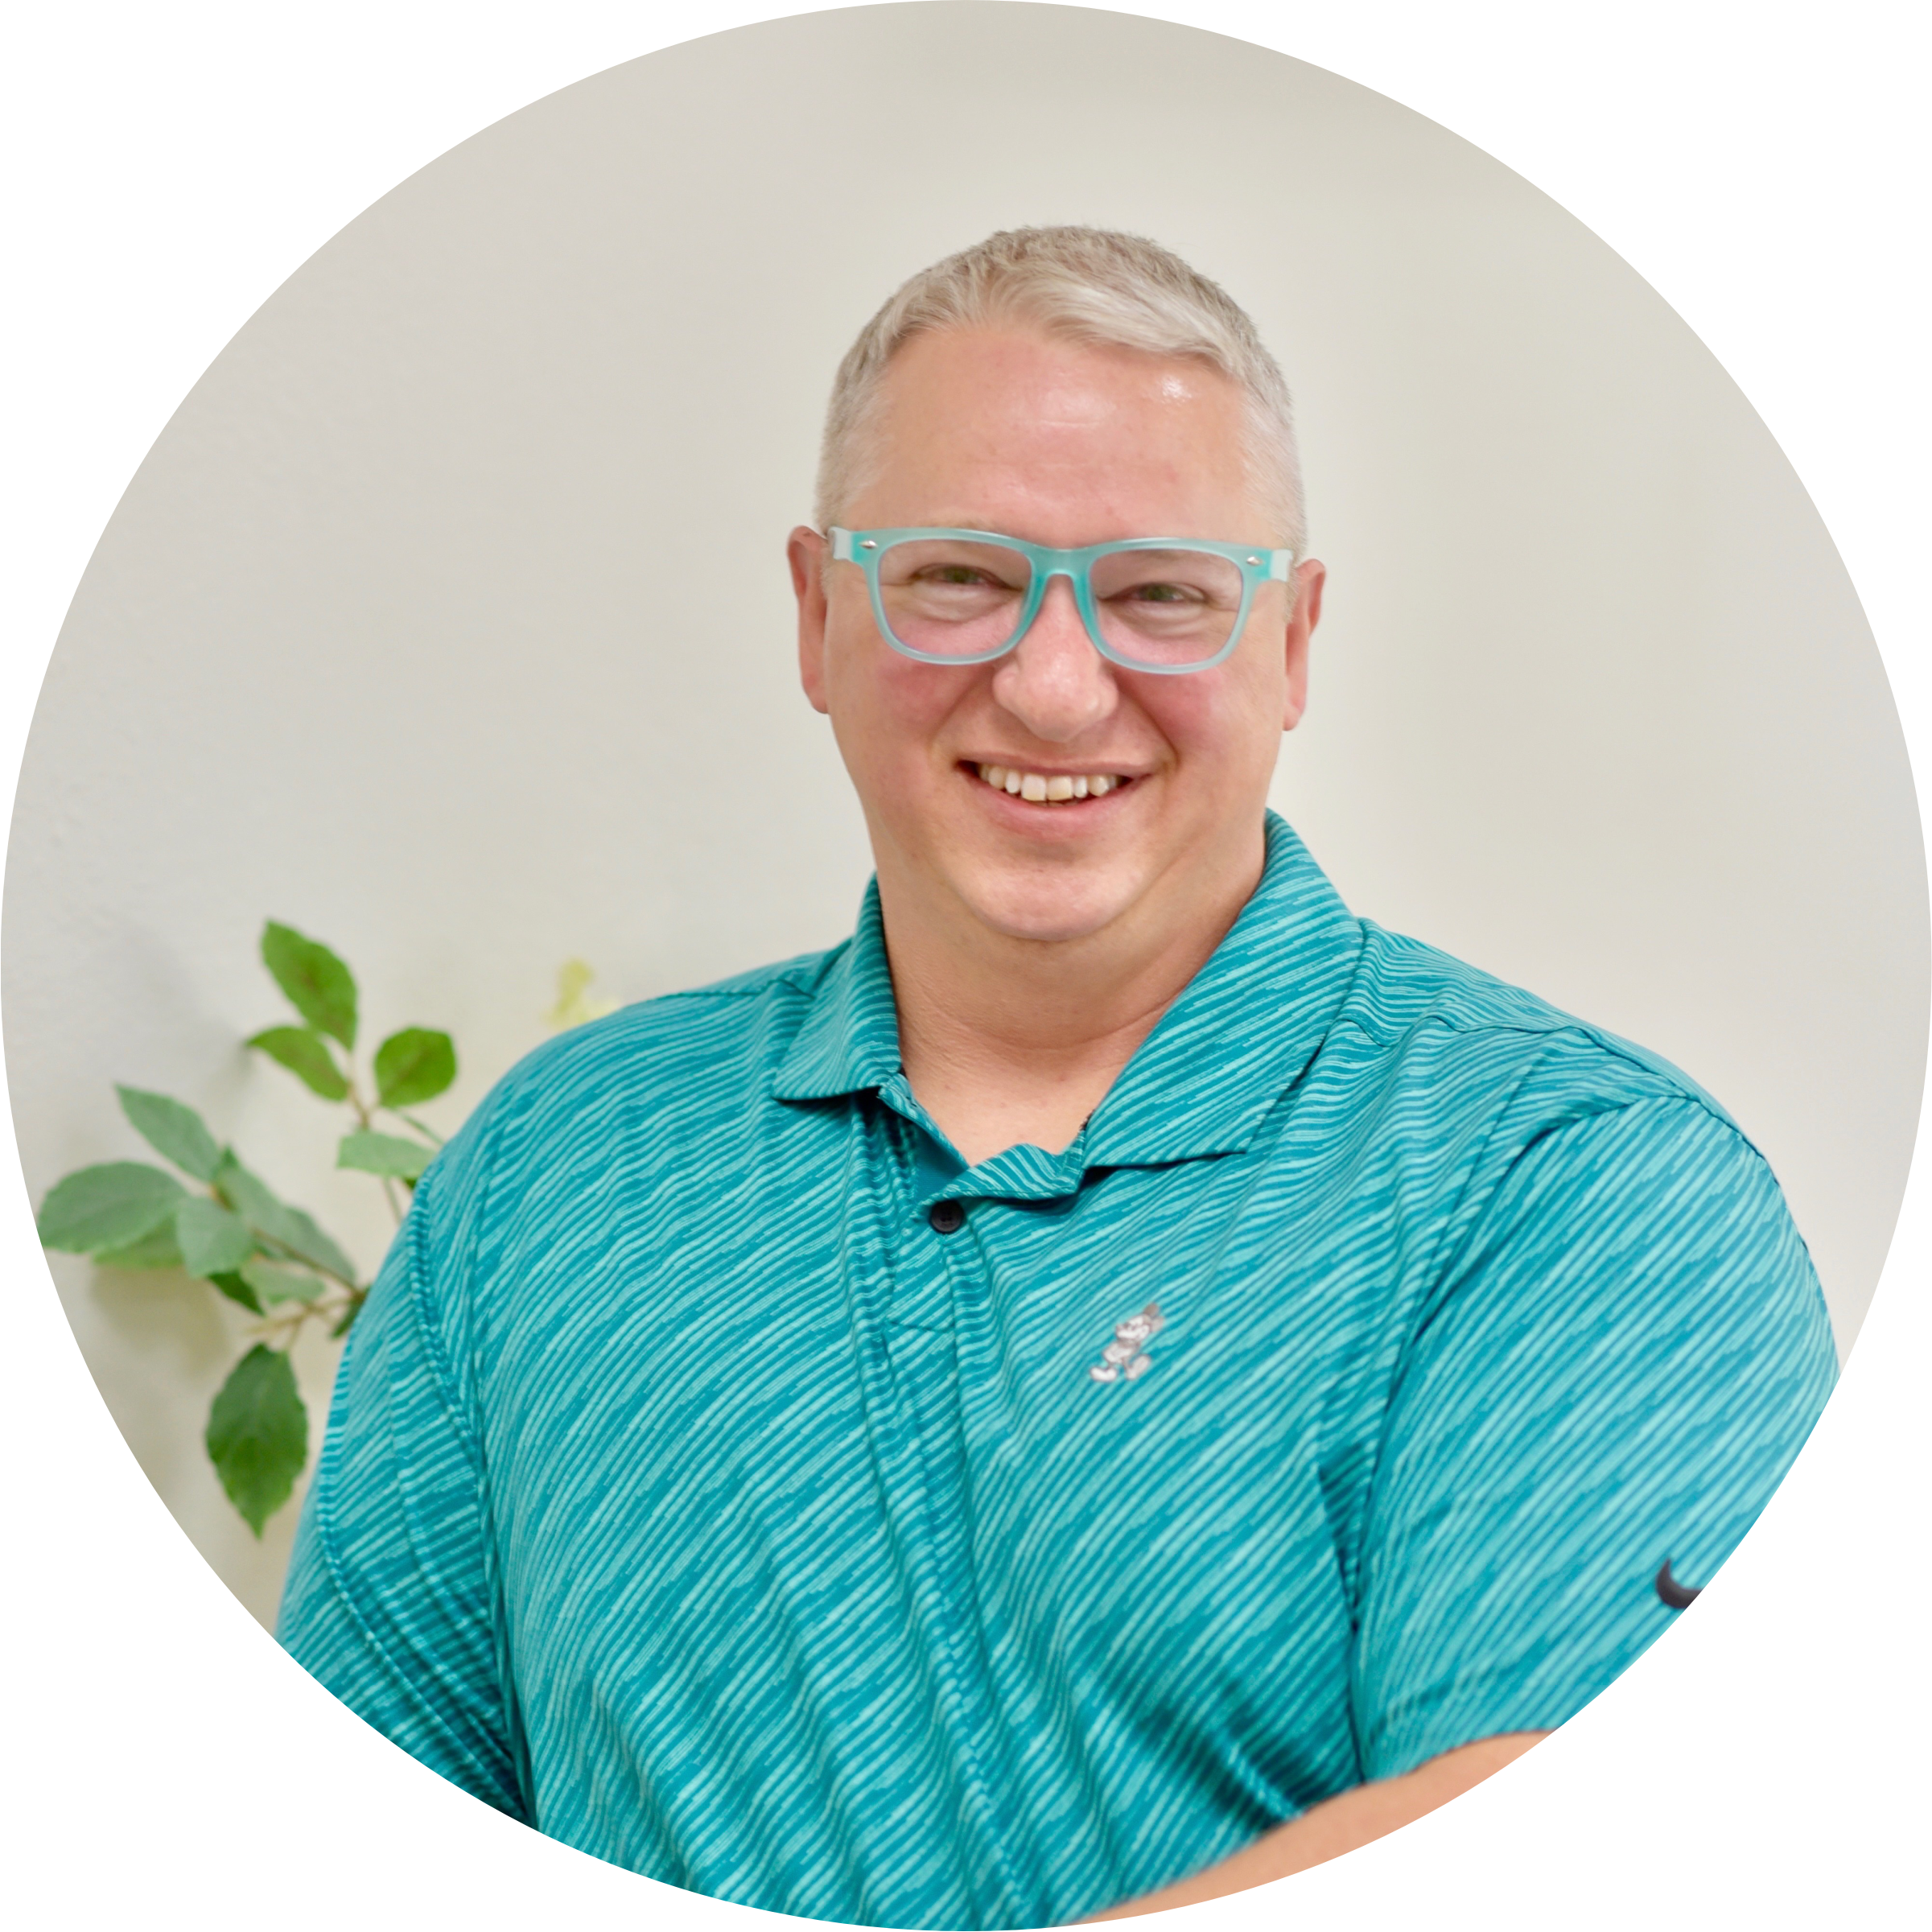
<point x="448" y="618"/>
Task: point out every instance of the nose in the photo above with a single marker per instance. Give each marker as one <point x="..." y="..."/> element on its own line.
<point x="1054" y="682"/>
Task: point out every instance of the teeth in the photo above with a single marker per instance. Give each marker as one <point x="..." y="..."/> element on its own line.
<point x="1037" y="789"/>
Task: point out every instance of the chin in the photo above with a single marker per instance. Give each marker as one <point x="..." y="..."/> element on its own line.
<point x="1049" y="911"/>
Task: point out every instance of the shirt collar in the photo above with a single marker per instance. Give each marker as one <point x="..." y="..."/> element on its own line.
<point x="1202" y="1083"/>
<point x="850" y="1038"/>
<point x="1243" y="1028"/>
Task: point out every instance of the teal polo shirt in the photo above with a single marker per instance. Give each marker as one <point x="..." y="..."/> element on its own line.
<point x="725" y="1479"/>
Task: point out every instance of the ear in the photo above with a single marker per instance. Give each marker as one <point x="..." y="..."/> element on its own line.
<point x="805" y="551"/>
<point x="1309" y="578"/>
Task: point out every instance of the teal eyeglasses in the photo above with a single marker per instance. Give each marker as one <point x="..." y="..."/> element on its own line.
<point x="1165" y="604"/>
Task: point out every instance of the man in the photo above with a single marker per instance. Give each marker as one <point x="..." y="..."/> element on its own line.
<point x="1121" y="1381"/>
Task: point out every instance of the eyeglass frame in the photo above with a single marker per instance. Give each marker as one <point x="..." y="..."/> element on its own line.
<point x="1257" y="565"/>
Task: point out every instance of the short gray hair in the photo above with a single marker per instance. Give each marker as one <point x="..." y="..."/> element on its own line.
<point x="1086" y="285"/>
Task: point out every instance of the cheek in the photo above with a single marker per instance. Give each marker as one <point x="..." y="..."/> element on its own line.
<point x="1191" y="713"/>
<point x="886" y="707"/>
<point x="1225" y="728"/>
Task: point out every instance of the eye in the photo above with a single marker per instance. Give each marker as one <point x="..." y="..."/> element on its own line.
<point x="952" y="573"/>
<point x="1165" y="593"/>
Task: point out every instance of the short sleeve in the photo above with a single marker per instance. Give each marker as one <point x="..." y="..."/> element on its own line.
<point x="1626" y="1353"/>
<point x="389" y="1597"/>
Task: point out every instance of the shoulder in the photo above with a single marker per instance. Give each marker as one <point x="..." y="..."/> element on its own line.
<point x="724" y="1034"/>
<point x="660" y="1072"/>
<point x="1424" y="1006"/>
<point x="1592" y="1159"/>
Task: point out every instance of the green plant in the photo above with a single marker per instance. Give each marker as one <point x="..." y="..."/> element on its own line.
<point x="234" y="1232"/>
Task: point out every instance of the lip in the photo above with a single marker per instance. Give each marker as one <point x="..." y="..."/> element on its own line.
<point x="971" y="763"/>
<point x="1064" y="815"/>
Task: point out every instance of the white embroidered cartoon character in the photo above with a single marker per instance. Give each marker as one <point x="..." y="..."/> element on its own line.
<point x="1125" y="1356"/>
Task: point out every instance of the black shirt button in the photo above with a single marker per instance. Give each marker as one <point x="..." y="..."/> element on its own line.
<point x="947" y="1217"/>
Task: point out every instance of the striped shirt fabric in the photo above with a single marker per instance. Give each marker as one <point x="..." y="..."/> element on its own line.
<point x="724" y="1479"/>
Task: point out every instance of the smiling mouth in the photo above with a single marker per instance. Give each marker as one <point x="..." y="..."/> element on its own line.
<point x="1042" y="787"/>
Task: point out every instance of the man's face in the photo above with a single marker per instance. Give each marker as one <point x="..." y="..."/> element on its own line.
<point x="1062" y="445"/>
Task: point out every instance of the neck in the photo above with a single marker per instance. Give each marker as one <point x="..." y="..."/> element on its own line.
<point x="1007" y="1040"/>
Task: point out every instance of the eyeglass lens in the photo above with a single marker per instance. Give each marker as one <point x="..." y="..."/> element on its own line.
<point x="948" y="597"/>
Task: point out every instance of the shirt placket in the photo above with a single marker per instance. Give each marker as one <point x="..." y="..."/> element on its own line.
<point x="939" y="1261"/>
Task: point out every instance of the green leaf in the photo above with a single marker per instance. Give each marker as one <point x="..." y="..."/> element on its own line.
<point x="172" y="1130"/>
<point x="300" y="1049"/>
<point x="413" y="1066"/>
<point x="213" y="1242"/>
<point x="235" y="1289"/>
<point x="110" y="1206"/>
<point x="273" y="1281"/>
<point x="257" y="1435"/>
<point x="371" y="1153"/>
<point x="319" y="986"/>
<point x="289" y="1228"/>
<point x="155" y="1249"/>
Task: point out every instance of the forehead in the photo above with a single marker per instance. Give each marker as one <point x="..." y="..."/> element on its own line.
<point x="973" y="425"/>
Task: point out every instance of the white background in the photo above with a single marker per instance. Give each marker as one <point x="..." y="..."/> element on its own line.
<point x="1765" y="169"/>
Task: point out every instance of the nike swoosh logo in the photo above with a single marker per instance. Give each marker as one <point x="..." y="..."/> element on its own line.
<point x="1680" y="1596"/>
